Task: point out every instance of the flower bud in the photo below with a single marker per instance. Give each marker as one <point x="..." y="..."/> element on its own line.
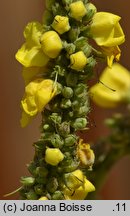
<point x="91" y="7"/>
<point x="69" y="165"/>
<point x="82" y="111"/>
<point x="38" y="189"/>
<point x="41" y="172"/>
<point x="46" y="127"/>
<point x="91" y="10"/>
<point x="71" y="79"/>
<point x="51" y="44"/>
<point x="27" y="181"/>
<point x="53" y="156"/>
<point x="70" y="140"/>
<point x="78" y="61"/>
<point x="41" y="180"/>
<point x="52" y="185"/>
<point x="64" y="128"/>
<point x="67" y="92"/>
<point x="79" y="89"/>
<point x="69" y="47"/>
<point x="57" y="195"/>
<point x="70" y="114"/>
<point x="49" y="4"/>
<point x="74" y="33"/>
<point x="31" y="195"/>
<point x="79" y="123"/>
<point x="56" y="118"/>
<point x="75" y="105"/>
<point x="32" y="168"/>
<point x="57" y="141"/>
<point x="77" y="10"/>
<point x="61" y="24"/>
<point x="65" y="103"/>
<point x="43" y="198"/>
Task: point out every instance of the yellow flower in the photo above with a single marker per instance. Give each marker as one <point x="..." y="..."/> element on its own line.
<point x="114" y="87"/>
<point x="91" y="7"/>
<point x="53" y="156"/>
<point x="61" y="24"/>
<point x="31" y="54"/>
<point x="106" y="30"/>
<point x="51" y="44"/>
<point x="78" y="61"/>
<point x="111" y="53"/>
<point x="85" y="154"/>
<point x="81" y="192"/>
<point x="43" y="198"/>
<point x="77" y="10"/>
<point x="38" y="93"/>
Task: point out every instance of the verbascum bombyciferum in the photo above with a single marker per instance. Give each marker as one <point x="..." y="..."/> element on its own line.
<point x="58" y="61"/>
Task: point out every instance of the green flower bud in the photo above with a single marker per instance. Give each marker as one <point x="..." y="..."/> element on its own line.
<point x="55" y="107"/>
<point x="52" y="185"/>
<point x="32" y="168"/>
<point x="75" y="105"/>
<point x="82" y="44"/>
<point x="67" y="92"/>
<point x="27" y="181"/>
<point x="46" y="127"/>
<point x="64" y="129"/>
<point x="71" y="114"/>
<point x="41" y="180"/>
<point x="38" y="189"/>
<point x="55" y="118"/>
<point x="31" y="195"/>
<point x="91" y="10"/>
<point x="69" y="47"/>
<point x="79" y="123"/>
<point x="65" y="103"/>
<point x="74" y="33"/>
<point x="70" y="140"/>
<point x="39" y="145"/>
<point x="41" y="172"/>
<point x="71" y="79"/>
<point x="80" y="88"/>
<point x="47" y="17"/>
<point x="49" y="4"/>
<point x="73" y="165"/>
<point x="67" y="1"/>
<point x="57" y="141"/>
<point x="82" y="111"/>
<point x="57" y="195"/>
<point x="59" y="88"/>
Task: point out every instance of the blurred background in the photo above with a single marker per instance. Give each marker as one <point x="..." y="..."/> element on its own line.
<point x="16" y="143"/>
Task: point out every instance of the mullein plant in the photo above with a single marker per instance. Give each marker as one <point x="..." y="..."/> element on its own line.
<point x="58" y="60"/>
